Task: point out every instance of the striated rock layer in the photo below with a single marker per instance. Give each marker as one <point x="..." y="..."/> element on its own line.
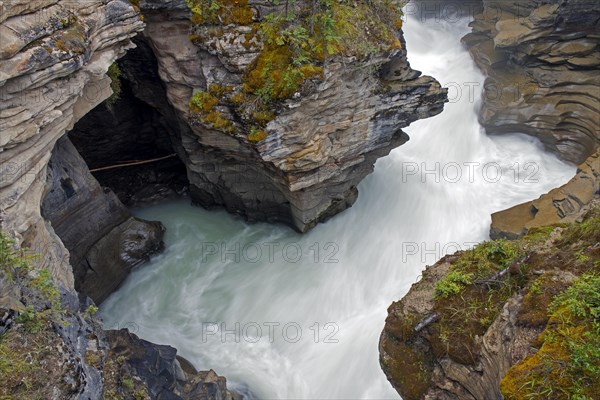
<point x="54" y="56"/>
<point x="53" y="64"/>
<point x="104" y="241"/>
<point x="561" y="205"/>
<point x="320" y="146"/>
<point x="53" y="72"/>
<point x="541" y="59"/>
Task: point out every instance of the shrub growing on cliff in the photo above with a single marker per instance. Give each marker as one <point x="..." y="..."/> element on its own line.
<point x="28" y="349"/>
<point x="42" y="294"/>
<point x="453" y="283"/>
<point x="469" y="297"/>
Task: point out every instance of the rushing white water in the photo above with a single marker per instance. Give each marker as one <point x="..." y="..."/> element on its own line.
<point x="350" y="268"/>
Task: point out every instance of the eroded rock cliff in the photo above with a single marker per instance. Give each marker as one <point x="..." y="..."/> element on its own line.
<point x="541" y="59"/>
<point x="321" y="143"/>
<point x="471" y="327"/>
<point x="54" y="56"/>
<point x="53" y="71"/>
<point x="561" y="205"/>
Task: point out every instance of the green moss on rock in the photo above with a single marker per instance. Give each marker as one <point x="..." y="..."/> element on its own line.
<point x="292" y="46"/>
<point x="411" y="367"/>
<point x="114" y="73"/>
<point x="567" y="366"/>
<point x="537" y="273"/>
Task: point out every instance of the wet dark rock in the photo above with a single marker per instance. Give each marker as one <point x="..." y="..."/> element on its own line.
<point x="104" y="241"/>
<point x="159" y="367"/>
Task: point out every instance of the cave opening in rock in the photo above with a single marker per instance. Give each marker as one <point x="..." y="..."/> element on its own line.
<point x="129" y="141"/>
<point x="120" y="155"/>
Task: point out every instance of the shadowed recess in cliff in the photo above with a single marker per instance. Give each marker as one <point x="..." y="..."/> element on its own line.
<point x="135" y="124"/>
<point x="296" y="316"/>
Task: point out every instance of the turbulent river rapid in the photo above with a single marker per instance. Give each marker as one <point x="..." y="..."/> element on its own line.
<point x="290" y="316"/>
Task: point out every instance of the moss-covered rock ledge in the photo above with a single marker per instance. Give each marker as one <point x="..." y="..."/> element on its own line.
<point x="507" y="319"/>
<point x="284" y="106"/>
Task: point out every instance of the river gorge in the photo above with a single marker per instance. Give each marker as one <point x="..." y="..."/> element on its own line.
<point x="297" y="200"/>
<point x="331" y="286"/>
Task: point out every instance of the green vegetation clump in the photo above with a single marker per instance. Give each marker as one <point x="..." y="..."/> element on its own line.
<point x="29" y="346"/>
<point x="552" y="278"/>
<point x="91" y="310"/>
<point x="42" y="295"/>
<point x="453" y="283"/>
<point x="567" y="365"/>
<point x="470" y="297"/>
<point x="114" y="73"/>
<point x="257" y="135"/>
<point x="472" y="294"/>
<point x="28" y="361"/>
<point x="220" y="12"/>
<point x="410" y="367"/>
<point x="203" y="106"/>
<point x="293" y="46"/>
<point x="538" y="296"/>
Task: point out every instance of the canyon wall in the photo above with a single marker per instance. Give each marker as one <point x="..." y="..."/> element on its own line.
<point x="53" y="71"/>
<point x="541" y="59"/>
<point x="320" y="145"/>
<point x="54" y="56"/>
<point x="463" y="334"/>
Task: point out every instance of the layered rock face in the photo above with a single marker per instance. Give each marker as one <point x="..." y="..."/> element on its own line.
<point x="53" y="67"/>
<point x="320" y="145"/>
<point x="541" y="59"/>
<point x="53" y="61"/>
<point x="561" y="205"/>
<point x="54" y="73"/>
<point x="104" y="241"/>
